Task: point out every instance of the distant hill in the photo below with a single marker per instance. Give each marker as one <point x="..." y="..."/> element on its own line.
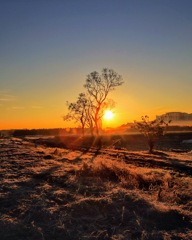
<point x="176" y="116"/>
<point x="180" y="121"/>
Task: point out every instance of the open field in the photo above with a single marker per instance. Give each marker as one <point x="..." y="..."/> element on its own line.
<point x="93" y="193"/>
<point x="133" y="142"/>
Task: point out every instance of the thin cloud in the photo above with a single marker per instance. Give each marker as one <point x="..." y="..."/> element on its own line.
<point x="6" y="97"/>
<point x="4" y="91"/>
<point x="17" y="108"/>
<point x="36" y="107"/>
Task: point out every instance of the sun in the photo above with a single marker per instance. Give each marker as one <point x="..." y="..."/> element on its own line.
<point x="108" y="115"/>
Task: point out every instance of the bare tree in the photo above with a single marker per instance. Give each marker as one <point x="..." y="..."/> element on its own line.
<point x="89" y="115"/>
<point x="78" y="111"/>
<point x="152" y="130"/>
<point x="98" y="87"/>
<point x="89" y="108"/>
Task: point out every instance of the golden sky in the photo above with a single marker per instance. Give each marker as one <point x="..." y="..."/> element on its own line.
<point x="47" y="49"/>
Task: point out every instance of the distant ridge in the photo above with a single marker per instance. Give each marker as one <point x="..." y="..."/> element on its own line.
<point x="180" y="119"/>
<point x="176" y="116"/>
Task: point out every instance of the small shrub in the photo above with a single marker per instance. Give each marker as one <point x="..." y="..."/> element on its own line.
<point x="152" y="130"/>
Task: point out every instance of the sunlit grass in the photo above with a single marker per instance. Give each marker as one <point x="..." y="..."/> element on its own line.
<point x="92" y="195"/>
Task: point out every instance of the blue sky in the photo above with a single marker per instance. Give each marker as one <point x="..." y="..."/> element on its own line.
<point x="48" y="47"/>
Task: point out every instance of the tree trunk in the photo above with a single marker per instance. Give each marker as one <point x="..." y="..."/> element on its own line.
<point x="82" y="127"/>
<point x="151" y="146"/>
<point x="97" y="119"/>
<point x="97" y="129"/>
<point x="91" y="131"/>
<point x="83" y="131"/>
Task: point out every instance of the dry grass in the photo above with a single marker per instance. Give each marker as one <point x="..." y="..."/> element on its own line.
<point x="49" y="193"/>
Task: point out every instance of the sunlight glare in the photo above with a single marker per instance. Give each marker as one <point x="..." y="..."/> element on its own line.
<point x="108" y="115"/>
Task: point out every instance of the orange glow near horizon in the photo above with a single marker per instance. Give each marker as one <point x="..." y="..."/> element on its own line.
<point x="41" y="119"/>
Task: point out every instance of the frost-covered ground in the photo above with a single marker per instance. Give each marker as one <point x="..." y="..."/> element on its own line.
<point x="54" y="193"/>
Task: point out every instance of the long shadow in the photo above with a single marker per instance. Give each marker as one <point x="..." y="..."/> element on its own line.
<point x="94" y="145"/>
<point x="162" y="159"/>
<point x="162" y="220"/>
<point x="30" y="216"/>
<point x="165" y="162"/>
<point x="125" y="212"/>
<point x="12" y="197"/>
<point x="40" y="218"/>
<point x="96" y="153"/>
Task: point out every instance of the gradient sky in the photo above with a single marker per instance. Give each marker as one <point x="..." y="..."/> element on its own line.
<point x="48" y="47"/>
